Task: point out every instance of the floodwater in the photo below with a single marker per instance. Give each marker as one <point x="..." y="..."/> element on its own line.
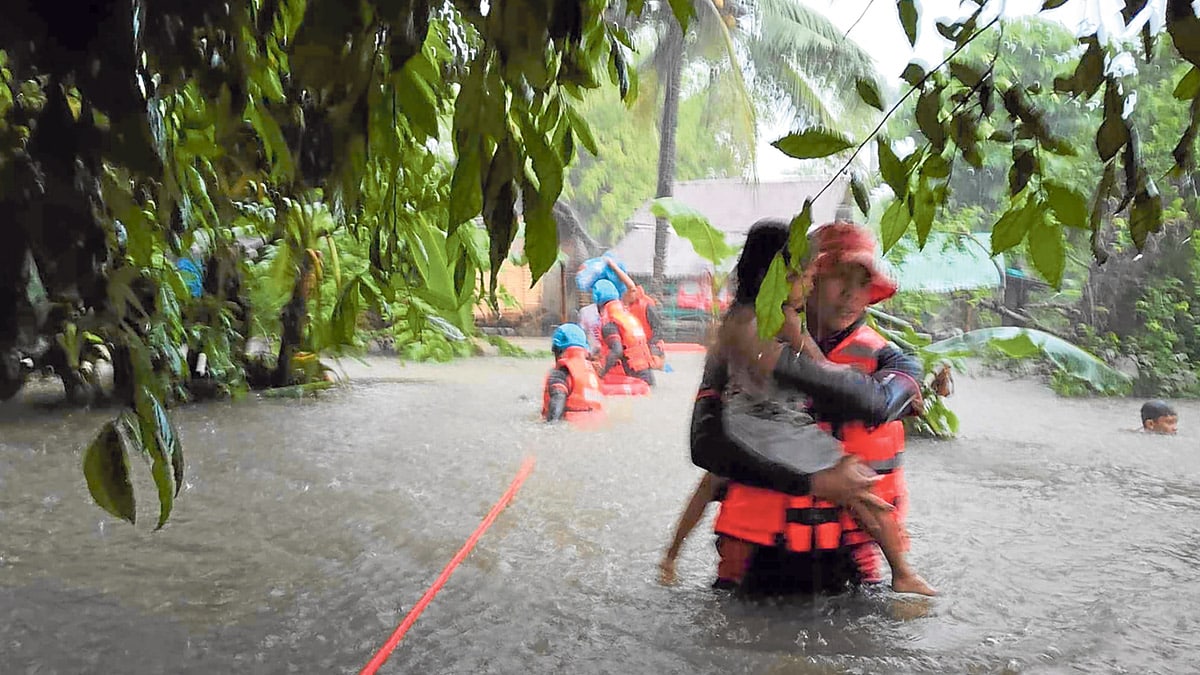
<point x="306" y="529"/>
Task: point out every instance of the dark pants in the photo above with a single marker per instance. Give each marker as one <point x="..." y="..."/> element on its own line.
<point x="778" y="571"/>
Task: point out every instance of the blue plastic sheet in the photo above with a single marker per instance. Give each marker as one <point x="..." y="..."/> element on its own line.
<point x="594" y="270"/>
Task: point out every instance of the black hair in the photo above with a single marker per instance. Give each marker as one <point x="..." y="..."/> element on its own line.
<point x="765" y="238"/>
<point x="1152" y="410"/>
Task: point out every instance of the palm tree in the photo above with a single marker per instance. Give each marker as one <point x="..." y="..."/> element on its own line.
<point x="793" y="55"/>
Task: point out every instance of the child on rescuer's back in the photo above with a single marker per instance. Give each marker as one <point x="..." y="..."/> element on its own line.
<point x="758" y="412"/>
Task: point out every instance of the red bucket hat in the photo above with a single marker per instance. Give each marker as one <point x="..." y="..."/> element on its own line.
<point x="840" y="242"/>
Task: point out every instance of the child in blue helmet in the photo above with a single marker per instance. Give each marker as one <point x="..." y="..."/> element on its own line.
<point x="624" y="345"/>
<point x="572" y="390"/>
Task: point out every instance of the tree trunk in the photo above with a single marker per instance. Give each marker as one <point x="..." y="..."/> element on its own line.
<point x="666" y="147"/>
<point x="294" y="317"/>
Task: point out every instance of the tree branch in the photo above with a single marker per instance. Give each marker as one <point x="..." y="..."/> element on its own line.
<point x="898" y="103"/>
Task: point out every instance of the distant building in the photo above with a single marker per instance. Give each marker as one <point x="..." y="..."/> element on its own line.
<point x="732" y="206"/>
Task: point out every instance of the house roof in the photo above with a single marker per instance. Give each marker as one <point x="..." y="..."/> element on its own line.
<point x="948" y="263"/>
<point x="732" y="205"/>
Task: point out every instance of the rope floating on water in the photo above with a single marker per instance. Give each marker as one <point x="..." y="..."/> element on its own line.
<point x="388" y="647"/>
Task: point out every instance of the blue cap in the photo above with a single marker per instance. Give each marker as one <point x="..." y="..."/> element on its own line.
<point x="603" y="292"/>
<point x="569" y="335"/>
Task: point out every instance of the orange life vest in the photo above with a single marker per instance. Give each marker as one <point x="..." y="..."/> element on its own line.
<point x="639" y="304"/>
<point x="803" y="524"/>
<point x="774" y="519"/>
<point x="881" y="448"/>
<point x="633" y="337"/>
<point x="583" y="385"/>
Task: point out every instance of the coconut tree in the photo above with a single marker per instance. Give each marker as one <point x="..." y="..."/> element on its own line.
<point x="782" y="51"/>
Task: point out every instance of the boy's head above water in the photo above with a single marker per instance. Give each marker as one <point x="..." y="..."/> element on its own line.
<point x="1159" y="417"/>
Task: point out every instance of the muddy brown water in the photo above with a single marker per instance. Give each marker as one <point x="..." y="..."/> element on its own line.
<point x="306" y="529"/>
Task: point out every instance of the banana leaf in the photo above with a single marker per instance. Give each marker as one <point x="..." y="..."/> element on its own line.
<point x="1019" y="343"/>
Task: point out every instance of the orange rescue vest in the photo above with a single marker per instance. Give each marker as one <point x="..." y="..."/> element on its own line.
<point x="881" y="448"/>
<point x="583" y="385"/>
<point x="633" y="337"/>
<point x="639" y="305"/>
<point x="803" y="524"/>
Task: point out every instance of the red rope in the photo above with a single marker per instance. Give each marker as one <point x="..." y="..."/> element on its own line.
<point x="386" y="650"/>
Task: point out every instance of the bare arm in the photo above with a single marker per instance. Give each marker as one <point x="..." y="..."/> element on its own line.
<point x="625" y="278"/>
<point x="704" y="493"/>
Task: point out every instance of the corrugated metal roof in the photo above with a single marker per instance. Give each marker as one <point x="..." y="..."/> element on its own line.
<point x="948" y="263"/>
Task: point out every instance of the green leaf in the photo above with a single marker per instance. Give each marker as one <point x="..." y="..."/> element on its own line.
<point x="908" y="19"/>
<point x="966" y="73"/>
<point x="417" y="100"/>
<point x="929" y="105"/>
<point x="541" y="234"/>
<point x="868" y="91"/>
<point x="106" y="469"/>
<point x="913" y="74"/>
<point x="936" y="166"/>
<point x="924" y="209"/>
<point x="582" y="130"/>
<point x="546" y="164"/>
<point x="861" y="196"/>
<point x="892" y="169"/>
<point x="1184" y="27"/>
<point x="708" y="242"/>
<point x="1052" y="4"/>
<point x="1189" y="85"/>
<point x="1113" y="132"/>
<point x="1023" y="167"/>
<point x="466" y="189"/>
<point x="1047" y="250"/>
<point x="813" y="143"/>
<point x="1068" y="204"/>
<point x="798" y="235"/>
<point x="1068" y="358"/>
<point x="1012" y="227"/>
<point x="168" y="440"/>
<point x="1146" y="216"/>
<point x="894" y="223"/>
<point x="684" y="10"/>
<point x="768" y="306"/>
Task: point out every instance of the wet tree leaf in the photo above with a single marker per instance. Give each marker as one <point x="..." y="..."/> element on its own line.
<point x="708" y="242"/>
<point x="466" y="191"/>
<point x="1189" y="85"/>
<point x="1012" y="227"/>
<point x="541" y="233"/>
<point x="1088" y="75"/>
<point x="582" y="131"/>
<point x="1068" y="204"/>
<point x="892" y="169"/>
<point x="894" y="223"/>
<point x="1184" y="28"/>
<point x="798" y="234"/>
<point x="684" y="10"/>
<point x="913" y="74"/>
<point x="929" y="106"/>
<point x="768" y="306"/>
<point x="813" y="143"/>
<point x="106" y="469"/>
<point x="1113" y="132"/>
<point x="1024" y="165"/>
<point x="908" y="19"/>
<point x="1047" y="251"/>
<point x="936" y="167"/>
<point x="868" y="91"/>
<point x="861" y="196"/>
<point x="966" y="73"/>
<point x="1146" y="216"/>
<point x="1107" y="180"/>
<point x="924" y="209"/>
